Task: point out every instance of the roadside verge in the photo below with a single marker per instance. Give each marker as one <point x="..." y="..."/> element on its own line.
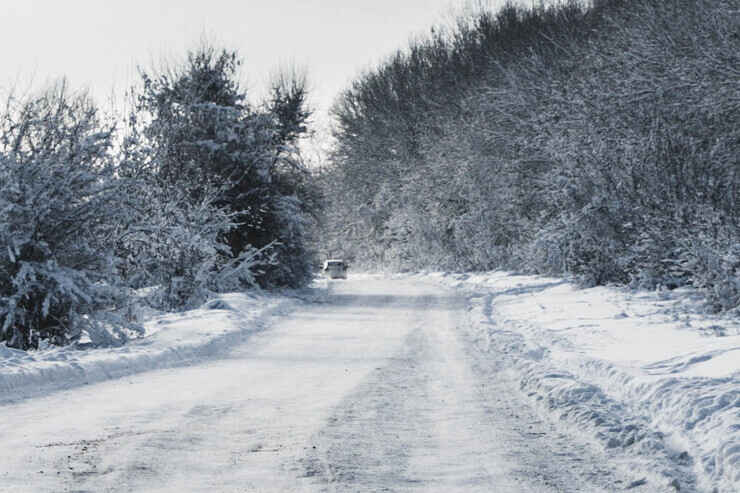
<point x="647" y="375"/>
<point x="170" y="340"/>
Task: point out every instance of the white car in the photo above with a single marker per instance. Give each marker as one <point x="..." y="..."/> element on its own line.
<point x="335" y="269"/>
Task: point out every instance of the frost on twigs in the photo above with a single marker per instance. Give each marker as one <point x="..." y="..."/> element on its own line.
<point x="598" y="140"/>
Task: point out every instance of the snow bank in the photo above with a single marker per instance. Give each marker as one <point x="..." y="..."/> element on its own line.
<point x="643" y="373"/>
<point x="170" y="340"/>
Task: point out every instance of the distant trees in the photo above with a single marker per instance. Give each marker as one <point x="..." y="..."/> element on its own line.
<point x="200" y="193"/>
<point x="600" y="142"/>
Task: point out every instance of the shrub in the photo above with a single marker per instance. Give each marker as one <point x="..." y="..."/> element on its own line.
<point x="57" y="196"/>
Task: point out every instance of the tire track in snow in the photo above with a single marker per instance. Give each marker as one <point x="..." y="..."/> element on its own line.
<point x="417" y="424"/>
<point x="364" y="445"/>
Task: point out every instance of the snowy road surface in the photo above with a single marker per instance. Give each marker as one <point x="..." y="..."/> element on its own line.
<point x="379" y="388"/>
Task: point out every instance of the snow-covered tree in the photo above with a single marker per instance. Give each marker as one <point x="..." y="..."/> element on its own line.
<point x="599" y="141"/>
<point x="203" y="137"/>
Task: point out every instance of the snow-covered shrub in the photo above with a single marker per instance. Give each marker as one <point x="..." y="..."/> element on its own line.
<point x="173" y="245"/>
<point x="711" y="257"/>
<point x="586" y="244"/>
<point x="57" y="201"/>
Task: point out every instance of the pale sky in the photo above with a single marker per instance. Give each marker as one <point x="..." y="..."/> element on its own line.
<point x="97" y="44"/>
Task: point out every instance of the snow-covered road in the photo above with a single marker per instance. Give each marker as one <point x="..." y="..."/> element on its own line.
<point x="379" y="388"/>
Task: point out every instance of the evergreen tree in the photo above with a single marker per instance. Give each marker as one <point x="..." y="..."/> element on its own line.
<point x="204" y="137"/>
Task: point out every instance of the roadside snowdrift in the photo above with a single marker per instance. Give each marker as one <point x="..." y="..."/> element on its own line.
<point x="170" y="340"/>
<point x="642" y="373"/>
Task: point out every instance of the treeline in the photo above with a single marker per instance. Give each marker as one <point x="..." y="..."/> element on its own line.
<point x="599" y="141"/>
<point x="197" y="192"/>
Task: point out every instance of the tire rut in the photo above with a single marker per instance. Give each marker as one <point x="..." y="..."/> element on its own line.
<point x="364" y="445"/>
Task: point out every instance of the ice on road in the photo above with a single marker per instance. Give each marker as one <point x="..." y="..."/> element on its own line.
<point x="377" y="388"/>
